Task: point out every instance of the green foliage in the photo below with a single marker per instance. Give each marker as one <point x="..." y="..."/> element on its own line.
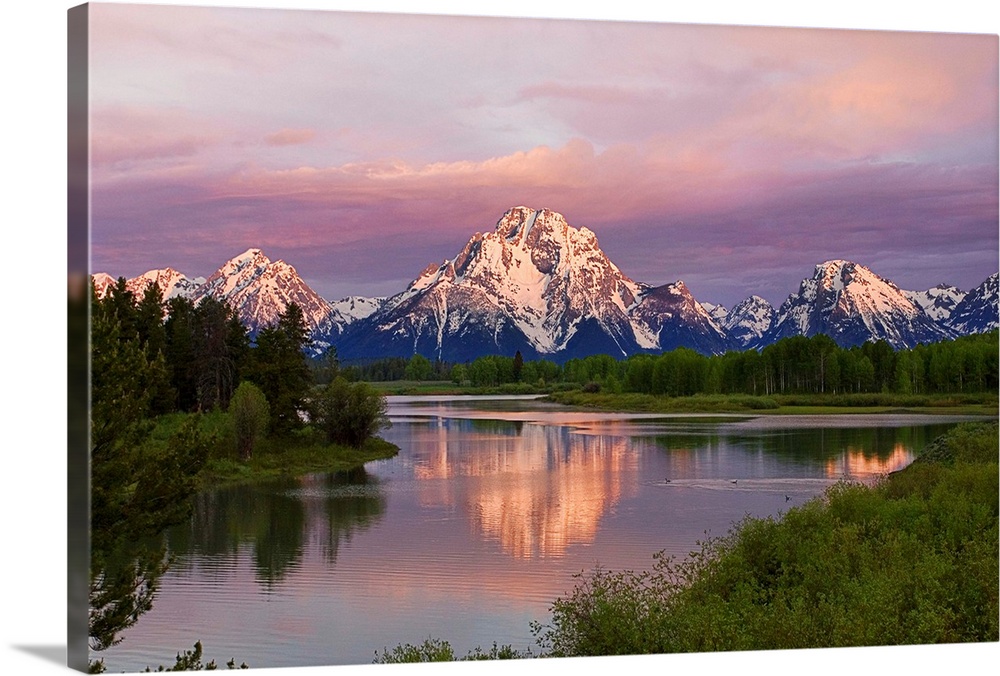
<point x="349" y="413"/>
<point x="139" y="485"/>
<point x="250" y="413"/>
<point x="436" y="650"/>
<point x="794" y="366"/>
<point x="419" y="368"/>
<point x="280" y="369"/>
<point x="190" y="660"/>
<point x="431" y="650"/>
<point x="207" y="351"/>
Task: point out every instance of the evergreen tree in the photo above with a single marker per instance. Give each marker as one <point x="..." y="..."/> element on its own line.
<point x="179" y="330"/>
<point x="220" y="346"/>
<point x="518" y="366"/>
<point x="138" y="488"/>
<point x="280" y="369"/>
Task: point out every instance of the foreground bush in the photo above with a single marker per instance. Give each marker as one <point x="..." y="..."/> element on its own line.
<point x="349" y="413"/>
<point x="436" y="650"/>
<point x="250" y="414"/>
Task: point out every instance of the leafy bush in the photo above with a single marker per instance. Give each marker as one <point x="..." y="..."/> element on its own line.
<point x="250" y="414"/>
<point x="436" y="650"/>
<point x="349" y="413"/>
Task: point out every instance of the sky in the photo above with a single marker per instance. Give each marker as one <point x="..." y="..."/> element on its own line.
<point x="361" y="147"/>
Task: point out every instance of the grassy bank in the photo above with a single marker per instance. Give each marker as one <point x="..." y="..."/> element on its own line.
<point x="447" y="387"/>
<point x="964" y="404"/>
<point x="304" y="451"/>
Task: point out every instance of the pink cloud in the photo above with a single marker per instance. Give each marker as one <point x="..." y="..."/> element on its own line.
<point x="132" y="134"/>
<point x="290" y="137"/>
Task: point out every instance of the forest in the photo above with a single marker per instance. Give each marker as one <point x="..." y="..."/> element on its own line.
<point x="796" y="365"/>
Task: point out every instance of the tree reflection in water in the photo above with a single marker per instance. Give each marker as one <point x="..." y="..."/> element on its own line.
<point x="275" y="520"/>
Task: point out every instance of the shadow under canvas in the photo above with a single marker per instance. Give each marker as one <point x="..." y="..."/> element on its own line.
<point x="49" y="653"/>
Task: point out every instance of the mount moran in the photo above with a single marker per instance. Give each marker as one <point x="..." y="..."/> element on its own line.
<point x="540" y="286"/>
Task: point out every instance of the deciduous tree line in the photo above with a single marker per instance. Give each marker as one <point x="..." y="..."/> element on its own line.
<point x="796" y="365"/>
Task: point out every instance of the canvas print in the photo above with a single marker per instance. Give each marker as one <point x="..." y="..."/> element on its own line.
<point x="409" y="338"/>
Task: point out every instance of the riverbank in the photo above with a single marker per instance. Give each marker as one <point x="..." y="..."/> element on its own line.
<point x="570" y="394"/>
<point x="304" y="451"/>
<point x="446" y="387"/>
<point x="817" y="404"/>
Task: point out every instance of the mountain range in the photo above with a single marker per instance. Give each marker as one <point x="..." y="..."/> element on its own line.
<point x="537" y="285"/>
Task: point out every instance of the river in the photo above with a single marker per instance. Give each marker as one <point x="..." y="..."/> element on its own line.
<point x="481" y="521"/>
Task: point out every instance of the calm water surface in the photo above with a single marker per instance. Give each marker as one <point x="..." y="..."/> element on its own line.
<point x="490" y="508"/>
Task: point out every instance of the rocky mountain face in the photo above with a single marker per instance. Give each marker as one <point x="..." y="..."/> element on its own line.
<point x="853" y="305"/>
<point x="939" y="302"/>
<point x="260" y="290"/>
<point x="102" y="282"/>
<point x="537" y="285"/>
<point x="171" y="282"/>
<point x="668" y="317"/>
<point x="748" y="321"/>
<point x="977" y="311"/>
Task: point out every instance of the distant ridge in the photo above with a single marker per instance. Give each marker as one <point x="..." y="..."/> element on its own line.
<point x="538" y="285"/>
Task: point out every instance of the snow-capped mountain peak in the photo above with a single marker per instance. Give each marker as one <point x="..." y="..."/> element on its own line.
<point x="171" y="283"/>
<point x="533" y="274"/>
<point x="260" y="291"/>
<point x="851" y="304"/>
<point x="718" y="313"/>
<point x="978" y="310"/>
<point x="538" y="285"/>
<point x="748" y="321"/>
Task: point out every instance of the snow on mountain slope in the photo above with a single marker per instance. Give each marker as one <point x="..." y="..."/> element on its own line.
<point x="537" y="285"/>
<point x="978" y="310"/>
<point x="748" y="321"/>
<point x="718" y="313"/>
<point x="534" y="276"/>
<point x="670" y="317"/>
<point x="102" y="283"/>
<point x="938" y="302"/>
<point x="354" y="308"/>
<point x="260" y="290"/>
<point x="853" y="305"/>
<point x="171" y="283"/>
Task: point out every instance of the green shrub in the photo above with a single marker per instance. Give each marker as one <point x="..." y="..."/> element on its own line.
<point x="436" y="650"/>
<point x="250" y="414"/>
<point x="349" y="413"/>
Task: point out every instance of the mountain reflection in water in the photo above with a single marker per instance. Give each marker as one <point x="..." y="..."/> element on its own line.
<point x="537" y="489"/>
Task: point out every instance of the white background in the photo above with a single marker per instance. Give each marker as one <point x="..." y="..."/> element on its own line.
<point x="32" y="332"/>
